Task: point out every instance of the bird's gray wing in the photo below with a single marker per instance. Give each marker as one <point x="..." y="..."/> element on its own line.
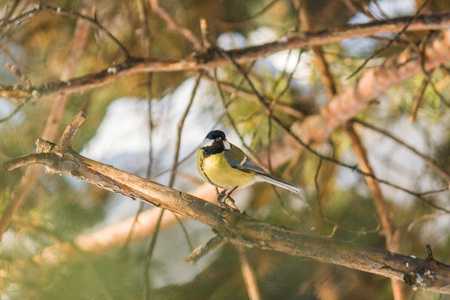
<point x="239" y="160"/>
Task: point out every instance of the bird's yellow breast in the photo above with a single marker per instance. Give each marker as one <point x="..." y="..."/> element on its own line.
<point x="216" y="170"/>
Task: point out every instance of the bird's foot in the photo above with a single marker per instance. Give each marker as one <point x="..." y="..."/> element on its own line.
<point x="230" y="203"/>
<point x="225" y="201"/>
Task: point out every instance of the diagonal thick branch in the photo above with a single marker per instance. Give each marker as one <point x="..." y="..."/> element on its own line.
<point x="213" y="59"/>
<point x="232" y="226"/>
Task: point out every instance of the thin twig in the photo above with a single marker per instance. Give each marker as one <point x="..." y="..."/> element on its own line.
<point x="427" y="73"/>
<point x="377" y="195"/>
<point x="391" y="42"/>
<point x="316" y="184"/>
<point x="325" y="72"/>
<point x="229" y="116"/>
<point x="148" y="257"/>
<point x="60" y="11"/>
<point x="255" y="15"/>
<point x="185" y="232"/>
<point x="204" y="249"/>
<point x="14" y="112"/>
<point x="92" y="21"/>
<point x="422" y="218"/>
<point x="418" y="101"/>
<point x="235" y="89"/>
<point x="180" y="129"/>
<point x="273" y="104"/>
<point x="431" y="162"/>
<point x="133" y="225"/>
<point x="10" y="8"/>
<point x="174" y="26"/>
<point x="20" y="75"/>
<point x="19" y="19"/>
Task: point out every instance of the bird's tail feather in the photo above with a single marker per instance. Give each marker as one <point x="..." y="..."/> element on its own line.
<point x="277" y="182"/>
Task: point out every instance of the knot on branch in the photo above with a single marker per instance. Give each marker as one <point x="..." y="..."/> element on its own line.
<point x="43" y="146"/>
<point x="418" y="277"/>
<point x="204" y="57"/>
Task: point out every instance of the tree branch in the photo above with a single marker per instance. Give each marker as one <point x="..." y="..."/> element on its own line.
<point x="240" y="229"/>
<point x="212" y="59"/>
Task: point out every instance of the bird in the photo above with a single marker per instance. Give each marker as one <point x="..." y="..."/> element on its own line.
<point x="226" y="166"/>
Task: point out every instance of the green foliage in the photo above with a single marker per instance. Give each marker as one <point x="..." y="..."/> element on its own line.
<point x="86" y="278"/>
<point x="59" y="210"/>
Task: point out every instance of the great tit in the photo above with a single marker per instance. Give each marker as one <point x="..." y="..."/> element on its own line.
<point x="226" y="166"/>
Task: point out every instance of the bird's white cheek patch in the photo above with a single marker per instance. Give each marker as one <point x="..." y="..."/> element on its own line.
<point x="207" y="143"/>
<point x="226" y="145"/>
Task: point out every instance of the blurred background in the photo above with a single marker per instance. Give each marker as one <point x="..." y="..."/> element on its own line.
<point x="132" y="125"/>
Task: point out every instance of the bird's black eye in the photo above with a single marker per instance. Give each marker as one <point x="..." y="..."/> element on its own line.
<point x="216" y="134"/>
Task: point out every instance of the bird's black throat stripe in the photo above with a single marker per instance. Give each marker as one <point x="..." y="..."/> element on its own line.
<point x="216" y="148"/>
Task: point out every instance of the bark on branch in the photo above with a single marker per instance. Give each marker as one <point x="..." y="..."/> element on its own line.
<point x="213" y="59"/>
<point x="427" y="274"/>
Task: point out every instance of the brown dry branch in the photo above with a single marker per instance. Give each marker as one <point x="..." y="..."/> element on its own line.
<point x="240" y="229"/>
<point x="213" y="59"/>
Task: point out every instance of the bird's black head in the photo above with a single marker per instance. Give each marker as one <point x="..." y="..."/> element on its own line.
<point x="215" y="143"/>
<point x="216" y="134"/>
